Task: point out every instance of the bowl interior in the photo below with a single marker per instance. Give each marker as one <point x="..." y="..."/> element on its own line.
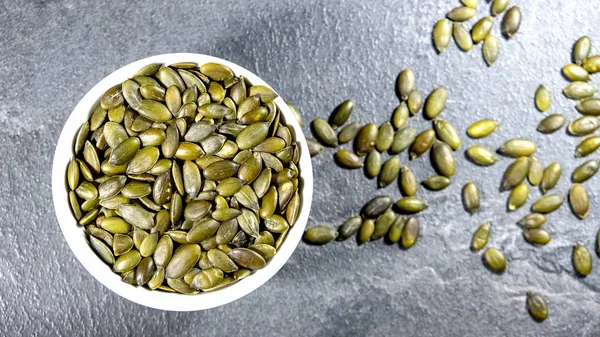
<point x="75" y="236"/>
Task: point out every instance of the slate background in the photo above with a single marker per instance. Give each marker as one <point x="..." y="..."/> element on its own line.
<point x="316" y="54"/>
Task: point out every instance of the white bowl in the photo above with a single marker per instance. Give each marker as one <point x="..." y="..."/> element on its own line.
<point x="74" y="234"/>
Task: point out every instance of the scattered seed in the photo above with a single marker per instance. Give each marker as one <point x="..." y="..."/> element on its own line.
<point x="587" y="146"/>
<point x="482" y="155"/>
<point x="366" y="139"/>
<point x="436" y="183"/>
<point x="581" y="49"/>
<point x="366" y="231"/>
<point x="341" y="113"/>
<point x="551" y="123"/>
<point x="373" y="164"/>
<point x="579" y="200"/>
<point x="385" y="137"/>
<point x="422" y="143"/>
<point x="482" y="128"/>
<point x="548" y="203"/>
<point x="410" y="232"/>
<point x="518" y="148"/>
<point x="536" y="304"/>
<point x="405" y="83"/>
<point x="580" y="90"/>
<point x="460" y="14"/>
<point x="471" y="197"/>
<point x="518" y="196"/>
<point x="491" y="50"/>
<point x="537" y="236"/>
<point x="411" y="205"/>
<point x="575" y="72"/>
<point x="447" y="133"/>
<point x="481" y="236"/>
<point x="533" y="220"/>
<point x="376" y="206"/>
<point x="511" y="21"/>
<point x="408" y="181"/>
<point x="320" y="235"/>
<point x="389" y="171"/>
<point x="383" y="224"/>
<point x="482" y="29"/>
<point x="536" y="172"/>
<point x="582" y="260"/>
<point x="400" y="116"/>
<point x="495" y="260"/>
<point x="551" y="176"/>
<point x="586" y="170"/>
<point x="499" y="6"/>
<point x="349" y="228"/>
<point x="348" y="159"/>
<point x="592" y="64"/>
<point x="403" y="139"/>
<point x="436" y="102"/>
<point x="443" y="159"/>
<point x="584" y="125"/>
<point x="349" y="132"/>
<point x="543" y="98"/>
<point x="442" y="33"/>
<point x="590" y="106"/>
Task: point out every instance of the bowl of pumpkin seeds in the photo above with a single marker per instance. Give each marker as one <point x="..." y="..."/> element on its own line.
<point x="182" y="182"/>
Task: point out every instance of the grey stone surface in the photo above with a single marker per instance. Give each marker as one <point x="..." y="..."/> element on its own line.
<point x="316" y="54"/>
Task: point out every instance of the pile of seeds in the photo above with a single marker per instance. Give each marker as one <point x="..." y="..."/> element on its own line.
<point x="444" y="29"/>
<point x="185" y="177"/>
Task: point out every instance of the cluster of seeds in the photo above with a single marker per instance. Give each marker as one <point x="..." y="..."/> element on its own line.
<point x="444" y="29"/>
<point x="185" y="177"/>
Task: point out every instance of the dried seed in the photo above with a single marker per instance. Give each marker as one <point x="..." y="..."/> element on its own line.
<point x="348" y="159"/>
<point x="586" y="170"/>
<point x="436" y="102"/>
<point x="403" y="139"/>
<point x="376" y="206"/>
<point x="460" y="14"/>
<point x="143" y="160"/>
<point x="247" y="197"/>
<point x="581" y="49"/>
<point x="262" y="183"/>
<point x="383" y="224"/>
<point x="436" y="183"/>
<point x="320" y="235"/>
<point x="408" y="181"/>
<point x="518" y="196"/>
<point x="91" y="157"/>
<point x="395" y="231"/>
<point x="149" y="69"/>
<point x="385" y="137"/>
<point x="221" y="170"/>
<point x="183" y="260"/>
<point x="405" y="83"/>
<point x="248" y="222"/>
<point x="579" y="200"/>
<point x="389" y="171"/>
<point x="533" y="220"/>
<point x="490" y="50"/>
<point x="511" y="21"/>
<point x="580" y="90"/>
<point x="548" y="203"/>
<point x="482" y="128"/>
<point x="112" y="98"/>
<point x="366" y="139"/>
<point x="552" y="123"/>
<point x="196" y="210"/>
<point x="495" y="260"/>
<point x="482" y="29"/>
<point x="584" y="125"/>
<point x="216" y="92"/>
<point x="543" y="98"/>
<point x="582" y="260"/>
<point x="137" y="216"/>
<point x="81" y="136"/>
<point x="213" y="110"/>
<point x="518" y="148"/>
<point x="366" y="231"/>
<point x="75" y="205"/>
<point x="481" y="155"/>
<point x="442" y="33"/>
<point x="169" y="77"/>
<point x="266" y="251"/>
<point x="587" y="146"/>
<point x="471" y="197"/>
<point x="219" y="259"/>
<point x="293" y="209"/>
<point x="88" y="217"/>
<point x="411" y="205"/>
<point x="373" y="164"/>
<point x="551" y="176"/>
<point x="257" y="115"/>
<point x="276" y="223"/>
<point x="73" y="174"/>
<point x="537" y="236"/>
<point x="410" y="232"/>
<point x="216" y="71"/>
<point x="87" y="191"/>
<point x="349" y="132"/>
<point x="499" y="6"/>
<point x="536" y="172"/>
<point x="349" y="228"/>
<point x="163" y="252"/>
<point x="148" y="245"/>
<point x="295" y="112"/>
<point x="314" y="148"/>
<point x="102" y="250"/>
<point x="536" y="304"/>
<point x="443" y="159"/>
<point x="127" y="261"/>
<point x="227" y="231"/>
<point x="481" y="236"/>
<point x="153" y="92"/>
<point x="415" y="102"/>
<point x="247" y="258"/>
<point x="341" y="113"/>
<point x="447" y="133"/>
<point x="592" y="64"/>
<point x="324" y="132"/>
<point x="111" y="186"/>
<point x="590" y="106"/>
<point x="422" y="143"/>
<point x="575" y="72"/>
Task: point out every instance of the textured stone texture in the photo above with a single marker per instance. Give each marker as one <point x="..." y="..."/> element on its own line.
<point x="316" y="54"/>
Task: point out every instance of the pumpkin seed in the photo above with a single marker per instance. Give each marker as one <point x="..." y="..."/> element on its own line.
<point x="169" y="77"/>
<point x="579" y="200"/>
<point x="471" y="197"/>
<point x="111" y="187"/>
<point x="366" y="231"/>
<point x="314" y="148"/>
<point x="376" y="206"/>
<point x="348" y="159"/>
<point x="533" y="220"/>
<point x="349" y="228"/>
<point x="580" y="90"/>
<point x="87" y="191"/>
<point x="137" y="216"/>
<point x="383" y="224"/>
<point x="415" y="102"/>
<point x="481" y="155"/>
<point x="366" y="139"/>
<point x="262" y="183"/>
<point x="537" y="236"/>
<point x="183" y="260"/>
<point x="442" y="33"/>
<point x="443" y="159"/>
<point x="590" y="106"/>
<point x="581" y="49"/>
<point x="373" y="164"/>
<point x="582" y="260"/>
<point x="102" y="250"/>
<point x="341" y="113"/>
<point x="490" y="50"/>
<point x="153" y="92"/>
<point x="482" y="128"/>
<point x="518" y="196"/>
<point x="592" y="64"/>
<point x="91" y="157"/>
<point x="584" y="125"/>
<point x="436" y="183"/>
<point x="411" y="205"/>
<point x="460" y="14"/>
<point x="574" y="72"/>
<point x="436" y="102"/>
<point x="81" y="136"/>
<point x="551" y="176"/>
<point x="75" y="205"/>
<point x="216" y="71"/>
<point x="536" y="304"/>
<point x="481" y="236"/>
<point x="518" y="148"/>
<point x="422" y="143"/>
<point x="389" y="171"/>
<point x="587" y="146"/>
<point x="396" y="229"/>
<point x="320" y="235"/>
<point x="400" y="116"/>
<point x="552" y="123"/>
<point x="220" y="260"/>
<point x="247" y="258"/>
<point x="178" y="285"/>
<point x="127" y="261"/>
<point x="548" y="203"/>
<point x="408" y="181"/>
<point x="112" y="98"/>
<point x="495" y="260"/>
<point x="348" y="133"/>
<point x="536" y="172"/>
<point x="385" y="137"/>
<point x="276" y="224"/>
<point x="403" y="139"/>
<point x="143" y="160"/>
<point x="410" y="232"/>
<point x="586" y="170"/>
<point x="149" y="69"/>
<point x="447" y="133"/>
<point x="482" y="29"/>
<point x="511" y="21"/>
<point x="405" y="83"/>
<point x="543" y="98"/>
<point x="499" y="6"/>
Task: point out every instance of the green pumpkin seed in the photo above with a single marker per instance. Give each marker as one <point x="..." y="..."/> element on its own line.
<point x="137" y="216"/>
<point x="408" y="181"/>
<point x="127" y="261"/>
<point x="482" y="29"/>
<point x="81" y="136"/>
<point x="75" y="205"/>
<point x="543" y="98"/>
<point x="442" y="33"/>
<point x="314" y="148"/>
<point x="376" y="206"/>
<point x="262" y="183"/>
<point x="221" y="170"/>
<point x="143" y="160"/>
<point x="536" y="304"/>
<point x="161" y="166"/>
<point x="91" y="157"/>
<point x="400" y="116"/>
<point x="73" y="174"/>
<point x="182" y="261"/>
<point x="516" y="173"/>
<point x="411" y="205"/>
<point x="347" y="134"/>
<point x="366" y="139"/>
<point x="226" y="214"/>
<point x="227" y="231"/>
<point x="592" y="64"/>
<point x="161" y="190"/>
<point x="443" y="159"/>
<point x="349" y="228"/>
<point x="141" y="123"/>
<point x="584" y="125"/>
<point x="341" y="113"/>
<point x="436" y="102"/>
<point x="320" y="235"/>
<point x="580" y="90"/>
<point x="575" y="72"/>
<point x="552" y="123"/>
<point x="548" y="203"/>
<point x="551" y="176"/>
<point x="348" y="159"/>
<point x="88" y="217"/>
<point x="405" y="83"/>
<point x="87" y="191"/>
<point x="196" y="210"/>
<point x="213" y="110"/>
<point x="248" y="105"/>
<point x="366" y="231"/>
<point x="495" y="260"/>
<point x="114" y="202"/>
<point x="293" y="209"/>
<point x="460" y="14"/>
<point x="276" y="224"/>
<point x="148" y="245"/>
<point x="481" y="155"/>
<point x="410" y="232"/>
<point x="373" y="163"/>
<point x="154" y="111"/>
<point x="247" y="258"/>
<point x="415" y="102"/>
<point x="422" y="143"/>
<point x="579" y="200"/>
<point x="252" y="135"/>
<point x="153" y="92"/>
<point x="581" y="49"/>
<point x="169" y="77"/>
<point x="247" y="198"/>
<point x="216" y="92"/>
<point x="383" y="224"/>
<point x="171" y="143"/>
<point x="511" y="21"/>
<point x="389" y="171"/>
<point x="216" y="71"/>
<point x="403" y="139"/>
<point x="395" y="231"/>
<point x="257" y="115"/>
<point x="587" y="146"/>
<point x="481" y="236"/>
<point x="111" y="187"/>
<point x="518" y="196"/>
<point x="586" y="170"/>
<point x="102" y="250"/>
<point x="533" y="220"/>
<point x="125" y="151"/>
<point x="179" y="286"/>
<point x="582" y="260"/>
<point x="230" y="186"/>
<point x="163" y="252"/>
<point x="121" y="244"/>
<point x="176" y="209"/>
<point x="436" y="183"/>
<point x="447" y="133"/>
<point x="537" y="236"/>
<point x="482" y="128"/>
<point x="536" y="172"/>
<point x="151" y="137"/>
<point x="270" y="145"/>
<point x="499" y="6"/>
<point x="178" y="236"/>
<point x="89" y="205"/>
<point x="385" y="137"/>
<point x="518" y="148"/>
<point x="149" y="69"/>
<point x="114" y="134"/>
<point x="220" y="260"/>
<point x="490" y="50"/>
<point x="266" y="251"/>
<point x="471" y="197"/>
<point x="249" y="223"/>
<point x="590" y="106"/>
<point x="112" y="98"/>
